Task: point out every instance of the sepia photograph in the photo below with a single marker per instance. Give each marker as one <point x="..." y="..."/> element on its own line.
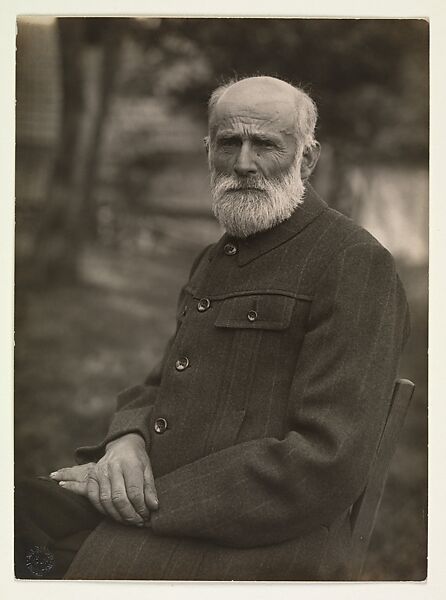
<point x="221" y="299"/>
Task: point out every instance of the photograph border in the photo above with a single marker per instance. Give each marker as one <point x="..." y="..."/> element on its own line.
<point x="435" y="585"/>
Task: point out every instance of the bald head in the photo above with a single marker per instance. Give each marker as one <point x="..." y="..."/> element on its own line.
<point x="288" y="107"/>
<point x="257" y="91"/>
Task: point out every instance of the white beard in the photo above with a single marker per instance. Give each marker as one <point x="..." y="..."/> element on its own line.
<point x="243" y="212"/>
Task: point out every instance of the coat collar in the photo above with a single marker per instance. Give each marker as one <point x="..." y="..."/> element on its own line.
<point x="254" y="246"/>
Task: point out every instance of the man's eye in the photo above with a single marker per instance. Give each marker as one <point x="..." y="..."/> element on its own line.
<point x="264" y="144"/>
<point x="229" y="142"/>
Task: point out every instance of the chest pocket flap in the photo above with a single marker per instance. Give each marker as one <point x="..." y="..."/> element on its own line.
<point x="256" y="311"/>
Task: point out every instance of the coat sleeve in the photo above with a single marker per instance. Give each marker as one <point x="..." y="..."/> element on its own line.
<point x="134" y="404"/>
<point x="269" y="490"/>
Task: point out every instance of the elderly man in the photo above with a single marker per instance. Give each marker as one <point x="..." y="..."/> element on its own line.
<point x="242" y="453"/>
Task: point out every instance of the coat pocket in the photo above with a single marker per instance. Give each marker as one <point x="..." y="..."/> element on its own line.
<point x="256" y="311"/>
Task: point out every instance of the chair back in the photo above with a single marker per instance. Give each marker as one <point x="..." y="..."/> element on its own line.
<point x="365" y="509"/>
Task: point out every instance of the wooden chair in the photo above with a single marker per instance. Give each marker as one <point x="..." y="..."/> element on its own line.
<point x="365" y="509"/>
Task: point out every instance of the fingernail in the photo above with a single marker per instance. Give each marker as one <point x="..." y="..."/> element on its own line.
<point x="62" y="483"/>
<point x="53" y="474"/>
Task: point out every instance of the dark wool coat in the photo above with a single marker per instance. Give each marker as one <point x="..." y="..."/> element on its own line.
<point x="274" y="389"/>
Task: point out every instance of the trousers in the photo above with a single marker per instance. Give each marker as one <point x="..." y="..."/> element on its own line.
<point x="51" y="525"/>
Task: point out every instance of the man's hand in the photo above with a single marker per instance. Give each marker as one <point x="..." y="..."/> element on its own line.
<point x="120" y="484"/>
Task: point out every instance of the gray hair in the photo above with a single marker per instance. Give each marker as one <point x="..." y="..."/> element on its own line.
<point x="306" y="112"/>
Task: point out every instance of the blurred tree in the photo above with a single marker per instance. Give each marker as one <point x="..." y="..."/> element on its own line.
<point x="89" y="54"/>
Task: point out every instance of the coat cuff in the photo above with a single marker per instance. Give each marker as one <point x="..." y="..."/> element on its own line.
<point x="133" y="415"/>
<point x="134" y="420"/>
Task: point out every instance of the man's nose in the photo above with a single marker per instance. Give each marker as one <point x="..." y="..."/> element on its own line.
<point x="245" y="164"/>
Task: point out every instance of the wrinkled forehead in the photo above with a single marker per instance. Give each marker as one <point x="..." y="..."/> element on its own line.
<point x="277" y="115"/>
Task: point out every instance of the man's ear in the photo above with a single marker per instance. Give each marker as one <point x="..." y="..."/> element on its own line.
<point x="309" y="160"/>
<point x="206" y="144"/>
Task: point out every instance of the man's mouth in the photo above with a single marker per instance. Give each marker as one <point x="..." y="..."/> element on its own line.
<point x="244" y="188"/>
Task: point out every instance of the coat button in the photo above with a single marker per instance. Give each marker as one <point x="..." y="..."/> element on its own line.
<point x="203" y="304"/>
<point x="160" y="425"/>
<point x="252" y="315"/>
<point x="230" y="249"/>
<point x="182" y="363"/>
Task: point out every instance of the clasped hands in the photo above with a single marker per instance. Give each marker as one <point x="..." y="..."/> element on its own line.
<point x="120" y="485"/>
